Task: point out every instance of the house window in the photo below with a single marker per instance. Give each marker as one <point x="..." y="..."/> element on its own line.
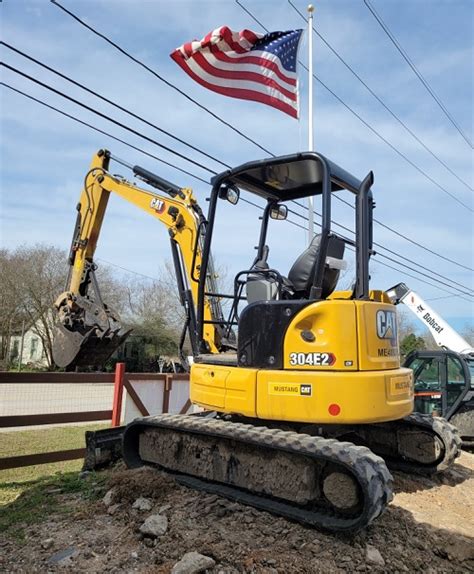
<point x="34" y="346"/>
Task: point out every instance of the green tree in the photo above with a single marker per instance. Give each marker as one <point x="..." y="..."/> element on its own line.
<point x="411" y="343"/>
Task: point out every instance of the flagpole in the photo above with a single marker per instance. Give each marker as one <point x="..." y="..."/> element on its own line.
<point x="310" y="114"/>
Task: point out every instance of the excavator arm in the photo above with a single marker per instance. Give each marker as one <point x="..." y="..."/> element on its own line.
<point x="88" y="331"/>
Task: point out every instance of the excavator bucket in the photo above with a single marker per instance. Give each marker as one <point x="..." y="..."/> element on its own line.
<point x="87" y="334"/>
<point x="92" y="349"/>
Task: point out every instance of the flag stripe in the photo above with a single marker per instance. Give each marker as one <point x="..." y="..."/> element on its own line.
<point x="192" y="65"/>
<point x="238" y="74"/>
<point x="245" y="94"/>
<point x="269" y="62"/>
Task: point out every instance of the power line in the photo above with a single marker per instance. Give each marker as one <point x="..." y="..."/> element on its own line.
<point x="461" y="296"/>
<point x="105" y="133"/>
<point x="108" y="101"/>
<point x="410" y="240"/>
<point x="161" y="78"/>
<point x="243" y="199"/>
<point x="470" y="294"/>
<point x="145" y="137"/>
<point x="157" y="127"/>
<point x="419" y="75"/>
<point x="399" y="234"/>
<point x="379" y="99"/>
<point x="369" y="126"/>
<point x="76" y="18"/>
<point x="104" y="116"/>
<point x="157" y="143"/>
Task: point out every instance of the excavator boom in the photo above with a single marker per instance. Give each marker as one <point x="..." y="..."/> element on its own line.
<point x="88" y="331"/>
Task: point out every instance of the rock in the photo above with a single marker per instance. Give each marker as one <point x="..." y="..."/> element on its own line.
<point x="63" y="556"/>
<point x="142" y="504"/>
<point x="134" y="555"/>
<point x="46" y="544"/>
<point x="109" y="497"/>
<point x="460" y="549"/>
<point x="164" y="508"/>
<point x="112" y="509"/>
<point x="271" y="562"/>
<point x="373" y="555"/>
<point x="346" y="559"/>
<point x="154" y="526"/>
<point x="84" y="474"/>
<point x="193" y="563"/>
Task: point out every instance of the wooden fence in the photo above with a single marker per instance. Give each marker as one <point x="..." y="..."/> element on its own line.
<point x="120" y="379"/>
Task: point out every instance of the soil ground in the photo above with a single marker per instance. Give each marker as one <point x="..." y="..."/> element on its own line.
<point x="63" y="526"/>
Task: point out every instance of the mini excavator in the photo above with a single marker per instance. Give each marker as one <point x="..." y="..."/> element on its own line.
<point x="305" y="403"/>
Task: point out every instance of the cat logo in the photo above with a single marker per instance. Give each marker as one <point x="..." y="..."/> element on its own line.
<point x="387" y="325"/>
<point x="158" y="205"/>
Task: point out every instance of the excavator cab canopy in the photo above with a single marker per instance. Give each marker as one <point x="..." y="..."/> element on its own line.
<point x="314" y="274"/>
<point x="289" y="177"/>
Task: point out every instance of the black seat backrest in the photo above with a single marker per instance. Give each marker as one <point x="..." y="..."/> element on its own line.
<point x="301" y="272"/>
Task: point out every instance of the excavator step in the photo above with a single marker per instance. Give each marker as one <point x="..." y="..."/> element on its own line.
<point x="320" y="482"/>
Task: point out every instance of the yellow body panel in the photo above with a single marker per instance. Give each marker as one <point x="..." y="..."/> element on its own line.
<point x="226" y="389"/>
<point x="377" y="334"/>
<point x="337" y="397"/>
<point x="361" y="382"/>
<point x="333" y="324"/>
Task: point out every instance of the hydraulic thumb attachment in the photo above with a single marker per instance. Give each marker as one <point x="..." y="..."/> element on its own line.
<point x="87" y="330"/>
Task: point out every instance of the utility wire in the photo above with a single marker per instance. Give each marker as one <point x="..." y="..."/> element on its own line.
<point x="200" y="165"/>
<point x="468" y="291"/>
<point x="423" y="281"/>
<point x="399" y="234"/>
<point x="378" y="98"/>
<point x="104" y="116"/>
<point x="76" y="18"/>
<point x="243" y="199"/>
<point x="108" y="101"/>
<point x="410" y="240"/>
<point x="372" y="129"/>
<point x="204" y="167"/>
<point x="419" y="75"/>
<point x="170" y="135"/>
<point x="161" y="78"/>
<point x="105" y="133"/>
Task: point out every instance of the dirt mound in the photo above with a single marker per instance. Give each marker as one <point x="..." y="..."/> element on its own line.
<point x="128" y="485"/>
<point x="426" y="528"/>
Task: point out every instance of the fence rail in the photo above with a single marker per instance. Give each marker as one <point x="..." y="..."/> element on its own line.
<point x="120" y="379"/>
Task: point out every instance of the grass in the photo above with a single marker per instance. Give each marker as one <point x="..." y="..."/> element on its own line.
<point x="37" y="499"/>
<point x="30" y="494"/>
<point x="14" y="481"/>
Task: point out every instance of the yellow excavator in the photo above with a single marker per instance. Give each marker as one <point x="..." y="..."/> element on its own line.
<point x="304" y="402"/>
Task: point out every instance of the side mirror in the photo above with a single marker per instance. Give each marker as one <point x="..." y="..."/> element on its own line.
<point x="279" y="212"/>
<point x="231" y="193"/>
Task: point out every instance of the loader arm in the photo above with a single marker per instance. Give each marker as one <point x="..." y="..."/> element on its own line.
<point x="89" y="331"/>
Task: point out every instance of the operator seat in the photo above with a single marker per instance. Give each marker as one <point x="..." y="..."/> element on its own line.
<point x="301" y="273"/>
<point x="263" y="287"/>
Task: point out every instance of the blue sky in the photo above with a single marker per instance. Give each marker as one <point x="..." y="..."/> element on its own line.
<point x="44" y="156"/>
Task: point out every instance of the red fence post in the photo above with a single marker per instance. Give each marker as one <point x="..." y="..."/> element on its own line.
<point x="118" y="394"/>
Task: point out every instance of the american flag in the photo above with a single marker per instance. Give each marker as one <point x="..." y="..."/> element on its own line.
<point x="246" y="65"/>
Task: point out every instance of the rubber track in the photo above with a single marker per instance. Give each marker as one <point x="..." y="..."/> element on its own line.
<point x="374" y="479"/>
<point x="447" y="434"/>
